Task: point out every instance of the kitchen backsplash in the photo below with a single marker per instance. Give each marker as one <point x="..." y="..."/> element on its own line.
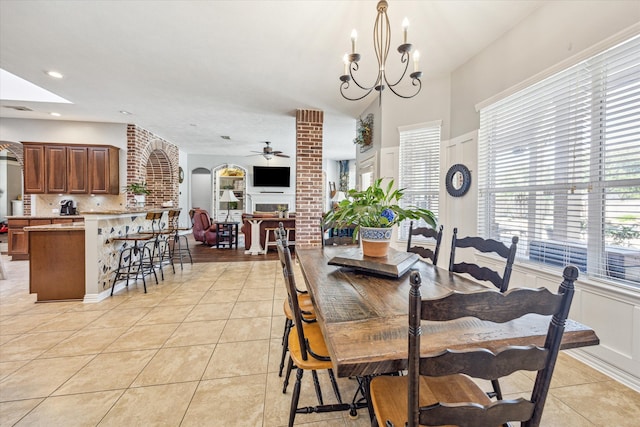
<point x="49" y="204"/>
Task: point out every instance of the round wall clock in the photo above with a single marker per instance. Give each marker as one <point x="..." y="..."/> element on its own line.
<point x="458" y="180"/>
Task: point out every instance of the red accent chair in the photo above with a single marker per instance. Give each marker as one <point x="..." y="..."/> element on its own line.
<point x="203" y="230"/>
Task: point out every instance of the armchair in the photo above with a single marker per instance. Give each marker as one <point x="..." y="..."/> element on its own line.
<point x="203" y="230"/>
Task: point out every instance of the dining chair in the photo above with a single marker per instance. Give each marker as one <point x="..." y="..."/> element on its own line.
<point x="304" y="301"/>
<point x="337" y="236"/>
<point x="486" y="246"/>
<point x="429" y="233"/>
<point x="485" y="273"/>
<point x="438" y="389"/>
<point x="307" y="348"/>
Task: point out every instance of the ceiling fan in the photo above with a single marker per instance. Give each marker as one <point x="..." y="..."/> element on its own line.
<point x="269" y="153"/>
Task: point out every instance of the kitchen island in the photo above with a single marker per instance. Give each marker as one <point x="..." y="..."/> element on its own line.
<point x="95" y="253"/>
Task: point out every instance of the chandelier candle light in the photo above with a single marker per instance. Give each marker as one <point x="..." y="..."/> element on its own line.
<point x="382" y="41"/>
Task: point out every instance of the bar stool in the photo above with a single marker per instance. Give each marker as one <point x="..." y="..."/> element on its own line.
<point x="177" y="237"/>
<point x="135" y="259"/>
<point x="275" y="231"/>
<point x="158" y="245"/>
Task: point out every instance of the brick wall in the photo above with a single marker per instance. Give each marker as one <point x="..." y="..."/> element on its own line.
<point x="308" y="177"/>
<point x="152" y="160"/>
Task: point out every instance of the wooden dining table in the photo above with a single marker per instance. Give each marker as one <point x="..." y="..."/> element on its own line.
<point x="364" y="317"/>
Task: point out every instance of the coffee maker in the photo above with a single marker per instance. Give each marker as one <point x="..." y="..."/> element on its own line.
<point x="66" y="207"/>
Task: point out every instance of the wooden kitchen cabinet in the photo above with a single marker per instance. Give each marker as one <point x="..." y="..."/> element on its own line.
<point x="104" y="176"/>
<point x="71" y="169"/>
<point x="19" y="238"/>
<point x="34" y="169"/>
<point x="77" y="173"/>
<point x="55" y="160"/>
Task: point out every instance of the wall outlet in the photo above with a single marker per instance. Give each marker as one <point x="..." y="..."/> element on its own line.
<point x="55" y="211"/>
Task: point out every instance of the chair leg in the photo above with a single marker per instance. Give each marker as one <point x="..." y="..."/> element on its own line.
<point x="316" y="385"/>
<point x="497" y="392"/>
<point x="285" y="344"/>
<point x="295" y="397"/>
<point x="285" y="383"/>
<point x="334" y="384"/>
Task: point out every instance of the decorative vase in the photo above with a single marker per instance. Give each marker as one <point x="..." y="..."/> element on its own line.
<point x="375" y="241"/>
<point x="140" y="199"/>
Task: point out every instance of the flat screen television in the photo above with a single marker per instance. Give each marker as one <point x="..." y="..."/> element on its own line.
<point x="271" y="176"/>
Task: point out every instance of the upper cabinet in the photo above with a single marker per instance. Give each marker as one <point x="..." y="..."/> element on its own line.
<point x="70" y="169"/>
<point x="104" y="176"/>
<point x="34" y="169"/>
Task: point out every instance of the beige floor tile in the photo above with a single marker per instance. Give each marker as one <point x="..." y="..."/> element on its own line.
<point x="200" y="285"/>
<point x="176" y="364"/>
<point x="29" y="346"/>
<point x="570" y="371"/>
<point x="250" y="309"/>
<point x="228" y="283"/>
<point x="237" y="401"/>
<point x="220" y="296"/>
<point x="21" y="324"/>
<point x="8" y="368"/>
<point x="85" y="341"/>
<point x="256" y="294"/>
<point x="217" y="311"/>
<point x="182" y="298"/>
<point x="161" y="405"/>
<point x="107" y="371"/>
<point x="120" y="318"/>
<point x="604" y="403"/>
<point x="196" y="333"/>
<point x="166" y="314"/>
<point x="86" y="409"/>
<point x="275" y="354"/>
<point x="70" y="321"/>
<point x="12" y="412"/>
<point x="258" y="328"/>
<point x="238" y="358"/>
<point x="39" y="378"/>
<point x="143" y="337"/>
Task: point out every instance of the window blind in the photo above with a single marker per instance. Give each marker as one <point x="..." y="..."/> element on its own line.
<point x="559" y="166"/>
<point x="419" y="169"/>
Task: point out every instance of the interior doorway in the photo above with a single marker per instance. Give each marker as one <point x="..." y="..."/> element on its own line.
<point x="202" y="189"/>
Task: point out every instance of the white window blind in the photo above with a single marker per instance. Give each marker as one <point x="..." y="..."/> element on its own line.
<point x="419" y="169"/>
<point x="559" y="166"/>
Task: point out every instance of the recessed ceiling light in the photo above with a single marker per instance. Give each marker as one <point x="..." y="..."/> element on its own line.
<point x="55" y="114"/>
<point x="55" y="74"/>
<point x="227" y="137"/>
<point x="126" y="113"/>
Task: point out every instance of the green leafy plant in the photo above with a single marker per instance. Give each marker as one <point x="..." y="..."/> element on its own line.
<point x="138" y="188"/>
<point x="376" y="207"/>
<point x="364" y="131"/>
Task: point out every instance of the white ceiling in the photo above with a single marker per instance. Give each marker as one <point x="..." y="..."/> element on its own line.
<point x="191" y="71"/>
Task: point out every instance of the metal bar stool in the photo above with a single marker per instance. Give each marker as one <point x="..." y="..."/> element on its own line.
<point x="135" y="259"/>
<point x="158" y="245"/>
<point x="176" y="238"/>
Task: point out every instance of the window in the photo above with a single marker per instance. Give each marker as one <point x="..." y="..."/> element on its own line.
<point x="419" y="168"/>
<point x="559" y="166"/>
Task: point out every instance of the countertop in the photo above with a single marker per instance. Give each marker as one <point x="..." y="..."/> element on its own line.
<point x="44" y="216"/>
<point x="72" y="226"/>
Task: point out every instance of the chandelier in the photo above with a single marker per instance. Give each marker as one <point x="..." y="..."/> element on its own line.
<point x="381" y="41"/>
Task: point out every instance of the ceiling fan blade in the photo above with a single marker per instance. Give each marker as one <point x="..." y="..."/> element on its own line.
<point x="279" y="154"/>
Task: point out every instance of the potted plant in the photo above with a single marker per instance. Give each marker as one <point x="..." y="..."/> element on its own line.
<point x="139" y="191"/>
<point x="374" y="212"/>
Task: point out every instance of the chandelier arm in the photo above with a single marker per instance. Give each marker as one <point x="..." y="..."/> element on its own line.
<point x="404" y="59"/>
<point x="355" y="68"/>
<point x="419" y="84"/>
<point x="345" y="85"/>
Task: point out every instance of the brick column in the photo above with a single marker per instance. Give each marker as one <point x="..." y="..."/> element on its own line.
<point x="308" y="177"/>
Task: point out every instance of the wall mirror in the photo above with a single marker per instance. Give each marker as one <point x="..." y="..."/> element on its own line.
<point x="458" y="180"/>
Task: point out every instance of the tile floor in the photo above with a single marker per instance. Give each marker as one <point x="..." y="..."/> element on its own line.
<point x="201" y="348"/>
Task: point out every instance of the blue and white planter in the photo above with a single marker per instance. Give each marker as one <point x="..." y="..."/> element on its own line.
<point x="375" y="241"/>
